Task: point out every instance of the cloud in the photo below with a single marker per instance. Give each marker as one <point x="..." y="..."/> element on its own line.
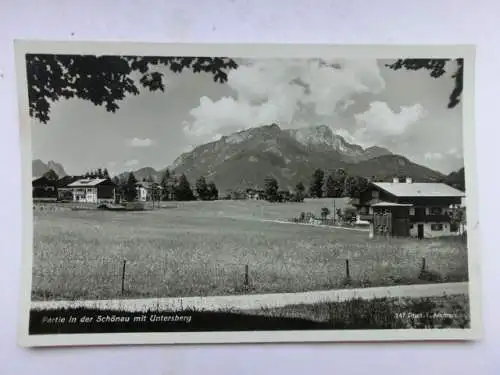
<point x="278" y="91"/>
<point x="433" y="156"/>
<point x="137" y="142"/>
<point x="380" y="123"/>
<point x="131" y="163"/>
<point x="454" y="152"/>
<point x="382" y="119"/>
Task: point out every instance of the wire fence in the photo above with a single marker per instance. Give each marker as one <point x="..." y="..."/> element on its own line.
<point x="128" y="278"/>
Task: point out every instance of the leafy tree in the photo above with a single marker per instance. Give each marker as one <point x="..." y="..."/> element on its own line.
<point x="331" y="188"/>
<point x="51" y="175"/>
<point x="183" y="191"/>
<point x="348" y="215"/>
<point x="165" y="185"/>
<point x="105" y="173"/>
<point x="338" y="182"/>
<point x="316" y="188"/>
<point x="284" y="196"/>
<point x="155" y="193"/>
<point x="350" y="186"/>
<point x="271" y="189"/>
<point x="213" y="192"/>
<point x="458" y="219"/>
<point x="99" y="173"/>
<point x="118" y="189"/>
<point x="437" y="69"/>
<point x="357" y="186"/>
<point x="130" y="188"/>
<point x="106" y="80"/>
<point x="456" y="179"/>
<point x="325" y="211"/>
<point x="300" y="192"/>
<point x="202" y="188"/>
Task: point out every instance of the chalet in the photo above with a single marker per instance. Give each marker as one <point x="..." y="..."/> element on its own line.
<point x="255" y="194"/>
<point x="93" y="190"/>
<point x="414" y="209"/>
<point x="44" y="188"/>
<point x="146" y="191"/>
<point x="65" y="193"/>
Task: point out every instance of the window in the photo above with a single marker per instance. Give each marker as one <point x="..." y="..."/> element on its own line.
<point x="436" y="211"/>
<point x="375" y="194"/>
<point x="363" y="210"/>
<point x="436" y="227"/>
<point x="370" y="210"/>
<point x="412" y="211"/>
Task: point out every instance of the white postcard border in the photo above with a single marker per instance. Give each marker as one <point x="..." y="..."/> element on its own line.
<point x="250" y="51"/>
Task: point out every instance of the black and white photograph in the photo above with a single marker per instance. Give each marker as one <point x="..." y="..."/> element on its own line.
<point x="211" y="193"/>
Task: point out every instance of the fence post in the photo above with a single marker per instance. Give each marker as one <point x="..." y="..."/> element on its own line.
<point x="123" y="276"/>
<point x="347" y="271"/>
<point x="422" y="270"/>
<point x="246" y="275"/>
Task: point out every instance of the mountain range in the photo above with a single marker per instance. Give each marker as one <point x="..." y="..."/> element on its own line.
<point x="39" y="168"/>
<point x="244" y="159"/>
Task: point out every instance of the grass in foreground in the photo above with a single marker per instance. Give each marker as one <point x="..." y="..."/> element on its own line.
<point x="202" y="248"/>
<point x="422" y="313"/>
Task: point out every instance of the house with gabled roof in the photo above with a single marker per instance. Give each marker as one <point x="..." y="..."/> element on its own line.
<point x="64" y="193"/>
<point x="44" y="188"/>
<point x="93" y="190"/>
<point x="147" y="190"/>
<point x="415" y="209"/>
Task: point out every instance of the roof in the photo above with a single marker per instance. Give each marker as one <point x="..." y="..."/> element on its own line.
<point x="66" y="180"/>
<point x="419" y="189"/>
<point x="43" y="178"/>
<point x="148" y="184"/>
<point x="87" y="182"/>
<point x="391" y="204"/>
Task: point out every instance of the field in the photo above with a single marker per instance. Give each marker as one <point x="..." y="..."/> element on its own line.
<point x="205" y="248"/>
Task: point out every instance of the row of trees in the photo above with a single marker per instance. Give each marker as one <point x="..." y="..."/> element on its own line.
<point x="337" y="184"/>
<point x="97" y="173"/>
<point x="179" y="188"/>
<point x="171" y="187"/>
<point x="272" y="193"/>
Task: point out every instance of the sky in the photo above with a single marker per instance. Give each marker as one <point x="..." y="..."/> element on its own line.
<point x="362" y="100"/>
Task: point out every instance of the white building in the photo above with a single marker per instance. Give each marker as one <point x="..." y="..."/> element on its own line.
<point x="93" y="190"/>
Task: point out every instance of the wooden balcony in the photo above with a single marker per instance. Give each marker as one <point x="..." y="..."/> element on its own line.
<point x="441" y="218"/>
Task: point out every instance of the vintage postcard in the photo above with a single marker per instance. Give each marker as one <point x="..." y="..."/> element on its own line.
<point x="232" y="193"/>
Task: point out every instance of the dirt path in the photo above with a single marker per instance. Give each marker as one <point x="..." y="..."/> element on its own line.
<point x="250" y="302"/>
<point x="315" y="225"/>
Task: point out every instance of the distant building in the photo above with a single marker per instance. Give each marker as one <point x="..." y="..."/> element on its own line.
<point x="408" y="208"/>
<point x="93" y="190"/>
<point x="44" y="188"/>
<point x="255" y="194"/>
<point x="147" y="190"/>
<point x="64" y="193"/>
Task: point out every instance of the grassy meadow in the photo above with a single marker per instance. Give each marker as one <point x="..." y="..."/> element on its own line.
<point x="202" y="248"/>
